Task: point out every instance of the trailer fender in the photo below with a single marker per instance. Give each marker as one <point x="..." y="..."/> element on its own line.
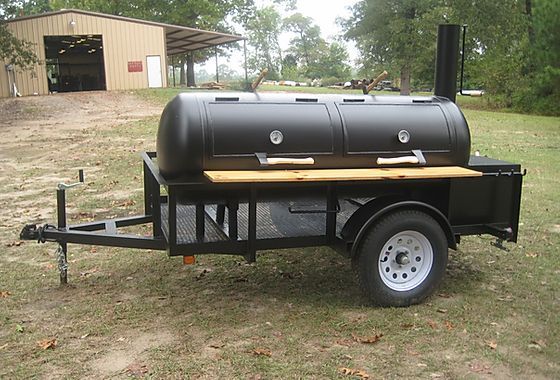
<point x="358" y="224"/>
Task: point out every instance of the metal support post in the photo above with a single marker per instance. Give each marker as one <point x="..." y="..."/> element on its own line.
<point x="173" y="66"/>
<point x="147" y="191"/>
<point x="233" y="206"/>
<point x="220" y="214"/>
<point x="217" y="73"/>
<point x="200" y="219"/>
<point x="331" y="214"/>
<point x="62" y="251"/>
<point x="245" y="64"/>
<point x="251" y="255"/>
<point x="172" y="219"/>
<point x="156" y="207"/>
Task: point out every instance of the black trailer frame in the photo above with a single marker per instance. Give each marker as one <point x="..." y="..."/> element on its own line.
<point x="196" y="216"/>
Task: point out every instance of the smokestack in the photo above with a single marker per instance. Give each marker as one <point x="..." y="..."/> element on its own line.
<point x="446" y="61"/>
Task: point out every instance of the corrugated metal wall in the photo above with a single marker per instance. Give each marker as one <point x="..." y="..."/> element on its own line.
<point x="123" y="41"/>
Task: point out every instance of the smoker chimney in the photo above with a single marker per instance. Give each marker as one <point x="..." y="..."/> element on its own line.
<point x="446" y="61"/>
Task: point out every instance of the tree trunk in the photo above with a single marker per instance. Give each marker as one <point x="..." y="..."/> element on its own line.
<point x="405" y="80"/>
<point x="182" y="73"/>
<point x="190" y="70"/>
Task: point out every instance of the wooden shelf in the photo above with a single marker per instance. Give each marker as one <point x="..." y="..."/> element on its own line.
<point x="320" y="175"/>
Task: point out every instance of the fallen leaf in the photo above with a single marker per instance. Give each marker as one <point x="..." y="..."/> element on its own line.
<point x="217" y="345"/>
<point x="532" y="254"/>
<point x="4" y="294"/>
<point x="202" y="273"/>
<point x="537" y="345"/>
<point x="408" y="326"/>
<point x="367" y="340"/>
<point x="344" y="342"/>
<point x="93" y="250"/>
<point x="505" y="299"/>
<point x="88" y="272"/>
<point x="540" y="342"/>
<point x="136" y="370"/>
<point x="480" y="368"/>
<point x="449" y="325"/>
<point x="86" y="215"/>
<point x="261" y="352"/>
<point x="354" y="372"/>
<point x="127" y="203"/>
<point x="19" y="328"/>
<point x="432" y="324"/>
<point x="45" y="344"/>
<point x="492" y="344"/>
<point x="442" y="311"/>
<point x="436" y="375"/>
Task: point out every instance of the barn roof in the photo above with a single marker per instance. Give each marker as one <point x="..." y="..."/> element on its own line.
<point x="178" y="39"/>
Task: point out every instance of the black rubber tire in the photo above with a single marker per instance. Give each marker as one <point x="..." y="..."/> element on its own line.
<point x="368" y="254"/>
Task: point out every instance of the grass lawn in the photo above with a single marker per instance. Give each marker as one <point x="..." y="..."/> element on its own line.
<point x="294" y="313"/>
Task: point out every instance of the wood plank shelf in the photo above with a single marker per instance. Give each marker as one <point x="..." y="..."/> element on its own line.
<point x="321" y="175"/>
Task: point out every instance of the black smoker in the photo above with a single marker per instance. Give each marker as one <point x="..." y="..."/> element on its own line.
<point x="251" y="131"/>
<point x="386" y="181"/>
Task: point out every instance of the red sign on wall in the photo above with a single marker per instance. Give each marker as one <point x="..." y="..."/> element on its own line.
<point x="134" y="66"/>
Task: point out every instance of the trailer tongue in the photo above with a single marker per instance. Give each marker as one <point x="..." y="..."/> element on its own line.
<point x="386" y="181"/>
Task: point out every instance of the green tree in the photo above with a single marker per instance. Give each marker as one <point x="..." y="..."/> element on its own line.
<point x="496" y="44"/>
<point x="540" y="91"/>
<point x="263" y="31"/>
<point x="334" y="63"/>
<point x="396" y="35"/>
<point x="307" y="46"/>
<point x="290" y="68"/>
<point x="13" y="50"/>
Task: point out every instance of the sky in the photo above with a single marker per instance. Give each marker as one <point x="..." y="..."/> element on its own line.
<point x="324" y="14"/>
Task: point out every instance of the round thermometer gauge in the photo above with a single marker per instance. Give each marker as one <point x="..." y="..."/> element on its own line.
<point x="276" y="137"/>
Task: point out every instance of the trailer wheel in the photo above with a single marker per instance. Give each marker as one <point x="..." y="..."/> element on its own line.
<point x="402" y="259"/>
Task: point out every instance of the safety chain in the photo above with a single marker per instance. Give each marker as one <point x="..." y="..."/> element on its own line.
<point x="61" y="259"/>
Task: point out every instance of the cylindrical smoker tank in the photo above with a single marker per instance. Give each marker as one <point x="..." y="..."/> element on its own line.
<point x="245" y="131"/>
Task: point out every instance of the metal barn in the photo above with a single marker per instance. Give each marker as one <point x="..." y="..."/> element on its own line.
<point x="81" y="50"/>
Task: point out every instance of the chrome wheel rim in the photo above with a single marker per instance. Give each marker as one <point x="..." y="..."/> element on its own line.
<point x="405" y="260"/>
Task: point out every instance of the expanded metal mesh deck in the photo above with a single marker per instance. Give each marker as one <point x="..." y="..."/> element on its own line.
<point x="274" y="220"/>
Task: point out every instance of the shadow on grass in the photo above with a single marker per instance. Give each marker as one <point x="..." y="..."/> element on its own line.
<point x="309" y="278"/>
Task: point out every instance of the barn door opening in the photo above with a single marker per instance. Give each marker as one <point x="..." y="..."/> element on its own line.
<point x="153" y="62"/>
<point x="75" y="63"/>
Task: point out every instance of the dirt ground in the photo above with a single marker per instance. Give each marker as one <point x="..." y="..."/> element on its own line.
<point x="37" y="133"/>
<point x="294" y="314"/>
